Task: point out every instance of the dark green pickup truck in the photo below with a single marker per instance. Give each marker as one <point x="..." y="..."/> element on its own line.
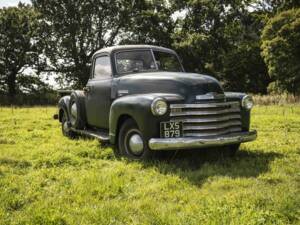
<point x="140" y="100"/>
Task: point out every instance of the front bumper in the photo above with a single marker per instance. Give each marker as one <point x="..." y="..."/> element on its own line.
<point x="197" y="142"/>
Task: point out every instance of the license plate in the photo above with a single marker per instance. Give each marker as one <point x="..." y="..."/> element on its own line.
<point x="170" y="129"/>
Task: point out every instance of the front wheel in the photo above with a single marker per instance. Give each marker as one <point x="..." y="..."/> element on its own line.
<point x="131" y="142"/>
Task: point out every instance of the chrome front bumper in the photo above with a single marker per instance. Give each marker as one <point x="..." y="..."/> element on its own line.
<point x="196" y="142"/>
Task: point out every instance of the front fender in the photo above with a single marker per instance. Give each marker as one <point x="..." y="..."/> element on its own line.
<point x="138" y="107"/>
<point x="245" y="114"/>
<point x="63" y="104"/>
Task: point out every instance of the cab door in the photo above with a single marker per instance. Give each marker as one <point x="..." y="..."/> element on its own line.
<point x="98" y="92"/>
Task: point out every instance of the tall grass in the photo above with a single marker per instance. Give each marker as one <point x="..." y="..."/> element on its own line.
<point x="282" y="99"/>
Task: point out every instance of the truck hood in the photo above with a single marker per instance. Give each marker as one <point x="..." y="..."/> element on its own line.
<point x="187" y="85"/>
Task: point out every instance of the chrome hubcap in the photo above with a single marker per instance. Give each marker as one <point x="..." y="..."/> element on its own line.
<point x="74" y="110"/>
<point x="136" y="144"/>
<point x="73" y="114"/>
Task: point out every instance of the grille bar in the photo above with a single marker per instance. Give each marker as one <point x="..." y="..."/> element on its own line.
<point x="207" y="119"/>
<point x="205" y="134"/>
<point x="199" y="113"/>
<point x="210" y="105"/>
<point x="214" y="126"/>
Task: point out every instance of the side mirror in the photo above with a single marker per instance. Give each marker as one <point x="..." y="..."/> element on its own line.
<point x="86" y="89"/>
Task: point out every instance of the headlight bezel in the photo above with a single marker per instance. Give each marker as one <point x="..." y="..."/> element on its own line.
<point x="247" y="102"/>
<point x="154" y="106"/>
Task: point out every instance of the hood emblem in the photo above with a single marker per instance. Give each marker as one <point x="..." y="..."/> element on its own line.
<point x="122" y="92"/>
<point x="210" y="96"/>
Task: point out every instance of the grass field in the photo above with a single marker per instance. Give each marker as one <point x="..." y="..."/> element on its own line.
<point x="47" y="179"/>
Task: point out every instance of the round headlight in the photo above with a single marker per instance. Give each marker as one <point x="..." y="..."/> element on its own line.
<point x="159" y="107"/>
<point x="247" y="102"/>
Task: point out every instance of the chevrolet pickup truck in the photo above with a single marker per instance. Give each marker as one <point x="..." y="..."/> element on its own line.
<point x="140" y="99"/>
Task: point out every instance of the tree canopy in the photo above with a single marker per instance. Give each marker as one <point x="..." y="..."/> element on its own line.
<point x="246" y="44"/>
<point x="223" y="39"/>
<point x="74" y="30"/>
<point x="18" y="46"/>
<point x="281" y="49"/>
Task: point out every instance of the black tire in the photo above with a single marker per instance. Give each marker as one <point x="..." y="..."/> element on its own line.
<point x="65" y="127"/>
<point x="77" y="110"/>
<point x="231" y="150"/>
<point x="129" y="129"/>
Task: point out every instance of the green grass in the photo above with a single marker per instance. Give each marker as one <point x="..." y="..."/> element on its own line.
<point x="47" y="179"/>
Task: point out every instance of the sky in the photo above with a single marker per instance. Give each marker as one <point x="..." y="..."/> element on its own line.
<point x="5" y="3"/>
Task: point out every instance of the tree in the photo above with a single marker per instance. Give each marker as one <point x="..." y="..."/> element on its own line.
<point x="243" y="68"/>
<point x="18" y="48"/>
<point x="275" y="6"/>
<point x="281" y="49"/>
<point x="73" y="30"/>
<point x="150" y="23"/>
<point x="222" y="38"/>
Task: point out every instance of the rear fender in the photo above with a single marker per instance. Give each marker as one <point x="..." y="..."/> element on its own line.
<point x="63" y="107"/>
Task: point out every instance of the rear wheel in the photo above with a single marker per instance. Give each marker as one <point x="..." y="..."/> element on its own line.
<point x="77" y="110"/>
<point x="131" y="142"/>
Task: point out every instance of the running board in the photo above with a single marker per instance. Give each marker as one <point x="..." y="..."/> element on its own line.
<point x="102" y="136"/>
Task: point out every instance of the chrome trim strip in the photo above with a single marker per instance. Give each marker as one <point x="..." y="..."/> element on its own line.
<point x="193" y="142"/>
<point x="102" y="136"/>
<point x="210" y="105"/>
<point x="204" y="113"/>
<point x="212" y="127"/>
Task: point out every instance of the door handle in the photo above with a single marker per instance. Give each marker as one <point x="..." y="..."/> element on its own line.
<point x="87" y="89"/>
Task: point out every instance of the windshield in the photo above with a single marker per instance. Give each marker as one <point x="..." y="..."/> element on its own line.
<point x="143" y="61"/>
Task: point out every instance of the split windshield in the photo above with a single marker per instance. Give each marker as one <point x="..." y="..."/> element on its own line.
<point x="145" y="61"/>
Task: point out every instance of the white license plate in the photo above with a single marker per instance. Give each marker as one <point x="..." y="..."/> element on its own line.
<point x="170" y="129"/>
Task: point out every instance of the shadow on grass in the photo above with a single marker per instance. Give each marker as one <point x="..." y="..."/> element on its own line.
<point x="198" y="165"/>
<point x="21" y="164"/>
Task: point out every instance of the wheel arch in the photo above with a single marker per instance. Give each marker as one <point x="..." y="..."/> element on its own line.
<point x="121" y="120"/>
<point x="60" y="114"/>
<point x="63" y="107"/>
<point x="138" y="107"/>
<point x="78" y="97"/>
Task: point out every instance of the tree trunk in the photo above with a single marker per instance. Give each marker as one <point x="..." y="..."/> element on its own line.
<point x="83" y="74"/>
<point x="11" y="83"/>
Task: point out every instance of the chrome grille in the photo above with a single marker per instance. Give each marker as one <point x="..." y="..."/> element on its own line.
<point x="207" y="119"/>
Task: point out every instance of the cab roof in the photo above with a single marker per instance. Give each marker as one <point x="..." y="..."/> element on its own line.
<point x="130" y="47"/>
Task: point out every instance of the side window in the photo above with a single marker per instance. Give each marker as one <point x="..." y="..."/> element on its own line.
<point x="167" y="62"/>
<point x="102" y="67"/>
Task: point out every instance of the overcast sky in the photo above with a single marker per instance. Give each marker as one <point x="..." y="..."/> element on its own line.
<point x="5" y="3"/>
